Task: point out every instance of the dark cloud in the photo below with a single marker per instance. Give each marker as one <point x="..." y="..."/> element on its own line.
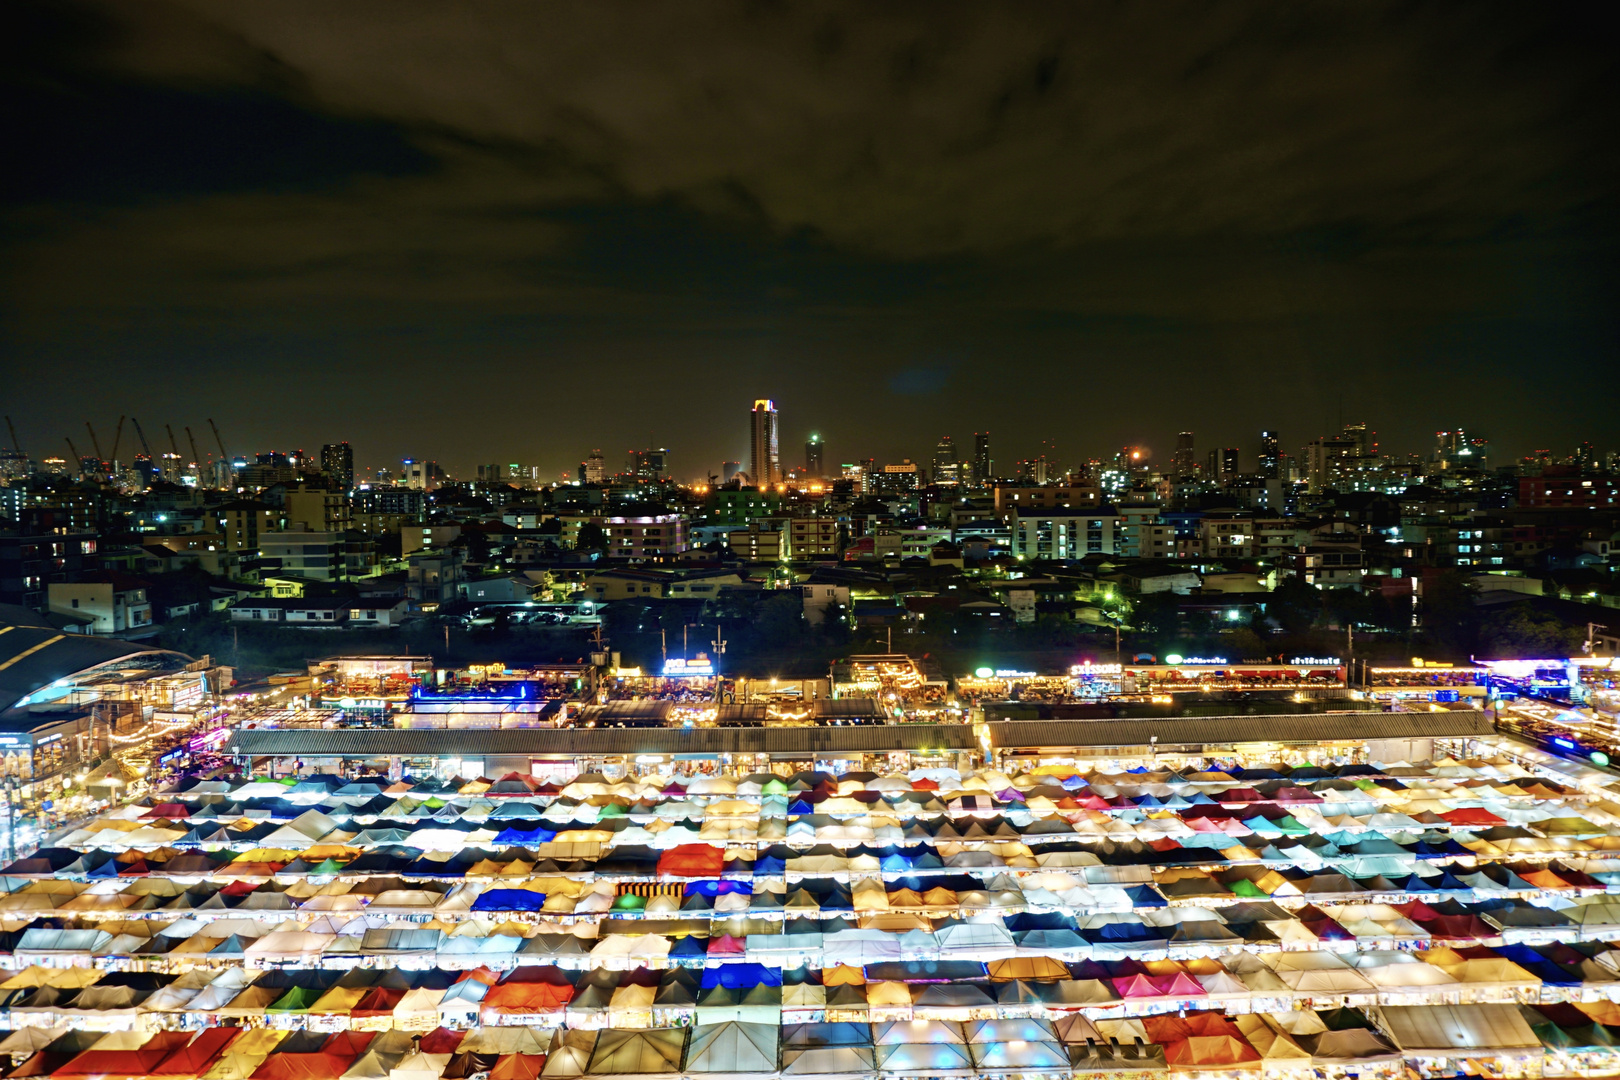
<point x="1131" y="217"/>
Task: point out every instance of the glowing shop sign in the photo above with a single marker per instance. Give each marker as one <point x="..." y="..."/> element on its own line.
<point x="1009" y="673"/>
<point x="1314" y="661"/>
<point x="677" y="668"/>
<point x="1175" y="660"/>
<point x="1080" y="671"/>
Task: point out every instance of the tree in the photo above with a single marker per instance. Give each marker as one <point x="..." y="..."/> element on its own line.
<point x="780" y="620"/>
<point x="1157" y="614"/>
<point x="592" y="537"/>
<point x="1294" y="603"/>
<point x="1521" y="632"/>
<point x="1449" y="616"/>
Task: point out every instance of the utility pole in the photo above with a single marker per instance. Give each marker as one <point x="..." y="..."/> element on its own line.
<point x="719" y="644"/>
<point x="11" y="820"/>
<point x="1590" y="648"/>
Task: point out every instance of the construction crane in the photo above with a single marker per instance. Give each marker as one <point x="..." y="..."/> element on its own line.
<point x="95" y="442"/>
<point x="118" y="435"/>
<point x="223" y="456"/>
<point x="16" y="444"/>
<point x="147" y="449"/>
<point x="173" y="446"/>
<point x="196" y="458"/>
<point x="78" y="462"/>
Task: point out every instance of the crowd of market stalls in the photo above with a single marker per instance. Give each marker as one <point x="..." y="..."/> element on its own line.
<point x="1363" y="920"/>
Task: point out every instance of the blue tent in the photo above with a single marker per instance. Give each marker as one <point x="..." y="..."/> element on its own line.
<point x="741" y="976"/>
<point x="509" y="900"/>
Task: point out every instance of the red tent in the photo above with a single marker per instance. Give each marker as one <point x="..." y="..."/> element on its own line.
<point x="442" y="1041"/>
<point x="199" y="1055"/>
<point x="125" y="1062"/>
<point x="379" y="1001"/>
<point x="1471" y="816"/>
<point x="171" y="810"/>
<point x="1179" y="985"/>
<point x="692" y="860"/>
<point x="352" y="1043"/>
<point x="1169" y="1028"/>
<point x="530" y="989"/>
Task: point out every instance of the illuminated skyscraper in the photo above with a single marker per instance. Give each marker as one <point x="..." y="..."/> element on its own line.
<point x="337" y="461"/>
<point x="1183" y="464"/>
<point x="812" y="456"/>
<point x="982" y="466"/>
<point x="947" y="469"/>
<point x="764" y="458"/>
<point x="1270" y="455"/>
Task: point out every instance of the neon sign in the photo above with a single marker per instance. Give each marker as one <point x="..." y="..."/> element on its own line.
<point x="1314" y="661"/>
<point x="1080" y="671"/>
<point x="676" y="668"/>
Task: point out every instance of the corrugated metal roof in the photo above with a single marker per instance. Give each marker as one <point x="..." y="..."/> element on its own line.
<point x="516" y="742"/>
<point x="860" y="707"/>
<point x="735" y="713"/>
<point x="1210" y="730"/>
<point x="627" y="710"/>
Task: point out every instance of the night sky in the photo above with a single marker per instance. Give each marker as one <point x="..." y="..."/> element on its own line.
<point x="513" y="231"/>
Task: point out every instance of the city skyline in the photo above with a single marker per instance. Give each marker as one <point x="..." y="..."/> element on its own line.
<point x="1185" y="453"/>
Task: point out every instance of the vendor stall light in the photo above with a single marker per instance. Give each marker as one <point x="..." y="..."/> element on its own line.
<point x="1173" y="659"/>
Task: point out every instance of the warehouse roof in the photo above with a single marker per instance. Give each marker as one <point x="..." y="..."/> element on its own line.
<point x="34" y="654"/>
<point x="1221" y="730"/>
<point x="515" y="742"/>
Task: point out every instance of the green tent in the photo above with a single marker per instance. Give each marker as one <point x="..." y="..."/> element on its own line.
<point x="296" y="1000"/>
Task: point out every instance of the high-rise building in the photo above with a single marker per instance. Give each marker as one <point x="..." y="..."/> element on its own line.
<point x="650" y="464"/>
<point x="1340" y="461"/>
<point x="983" y="471"/>
<point x="1270" y="455"/>
<point x="729" y="471"/>
<point x="1223" y="464"/>
<point x="764" y="457"/>
<point x="1457" y="450"/>
<point x="422" y="475"/>
<point x="947" y="468"/>
<point x="855" y="473"/>
<point x="813" y="461"/>
<point x="1183" y="463"/>
<point x="896" y="479"/>
<point x="591" y="470"/>
<point x="489" y="474"/>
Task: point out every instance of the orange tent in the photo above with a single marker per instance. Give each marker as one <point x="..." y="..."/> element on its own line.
<point x="518" y="1067"/>
<point x="1211" y="1052"/>
<point x="693" y="860"/>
